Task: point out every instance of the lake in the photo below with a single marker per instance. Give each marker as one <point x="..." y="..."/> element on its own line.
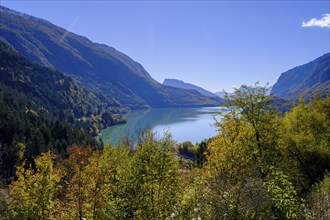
<point x="185" y="124"/>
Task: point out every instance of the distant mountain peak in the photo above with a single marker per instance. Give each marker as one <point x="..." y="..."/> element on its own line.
<point x="167" y="80"/>
<point x="95" y="66"/>
<point x="183" y="85"/>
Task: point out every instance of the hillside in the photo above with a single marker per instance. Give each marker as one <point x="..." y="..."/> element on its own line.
<point x="308" y="80"/>
<point x="41" y="110"/>
<point x="183" y="85"/>
<point x="93" y="65"/>
<point x="56" y="94"/>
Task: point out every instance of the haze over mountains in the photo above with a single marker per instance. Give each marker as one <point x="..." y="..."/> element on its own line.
<point x="92" y="65"/>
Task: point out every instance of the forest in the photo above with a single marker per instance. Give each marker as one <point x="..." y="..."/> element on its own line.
<point x="263" y="164"/>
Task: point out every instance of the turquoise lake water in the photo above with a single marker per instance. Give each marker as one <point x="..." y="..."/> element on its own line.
<point x="185" y="124"/>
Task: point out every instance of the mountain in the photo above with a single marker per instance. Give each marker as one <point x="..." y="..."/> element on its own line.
<point x="41" y="109"/>
<point x="56" y="94"/>
<point x="307" y="80"/>
<point x="220" y="94"/>
<point x="93" y="65"/>
<point x="182" y="85"/>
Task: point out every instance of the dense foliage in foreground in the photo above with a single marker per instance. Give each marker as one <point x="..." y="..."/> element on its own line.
<point x="260" y="166"/>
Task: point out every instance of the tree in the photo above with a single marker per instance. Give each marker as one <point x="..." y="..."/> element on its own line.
<point x="233" y="186"/>
<point x="93" y="188"/>
<point x="242" y="159"/>
<point x="111" y="185"/>
<point x="33" y="192"/>
<point x="200" y="153"/>
<point x="76" y="181"/>
<point x="156" y="175"/>
<point x="318" y="200"/>
<point x="251" y="105"/>
<point x="305" y="140"/>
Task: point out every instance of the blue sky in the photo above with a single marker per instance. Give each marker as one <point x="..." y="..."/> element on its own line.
<point x="213" y="44"/>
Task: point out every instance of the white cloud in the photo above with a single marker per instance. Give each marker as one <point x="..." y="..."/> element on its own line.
<point x="314" y="22"/>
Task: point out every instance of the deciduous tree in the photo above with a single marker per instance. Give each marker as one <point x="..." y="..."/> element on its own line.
<point x="33" y="192"/>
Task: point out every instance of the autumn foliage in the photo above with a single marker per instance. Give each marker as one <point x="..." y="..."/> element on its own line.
<point x="261" y="165"/>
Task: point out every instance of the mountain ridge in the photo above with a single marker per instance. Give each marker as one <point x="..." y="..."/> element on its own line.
<point x="93" y="65"/>
<point x="183" y="85"/>
<point x="307" y="80"/>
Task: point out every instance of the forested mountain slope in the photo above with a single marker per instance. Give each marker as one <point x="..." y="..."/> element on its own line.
<point x="54" y="93"/>
<point x="94" y="65"/>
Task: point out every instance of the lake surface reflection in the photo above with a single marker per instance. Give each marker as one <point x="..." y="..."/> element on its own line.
<point x="185" y="124"/>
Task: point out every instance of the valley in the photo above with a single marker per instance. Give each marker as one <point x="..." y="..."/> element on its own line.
<point x="86" y="132"/>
